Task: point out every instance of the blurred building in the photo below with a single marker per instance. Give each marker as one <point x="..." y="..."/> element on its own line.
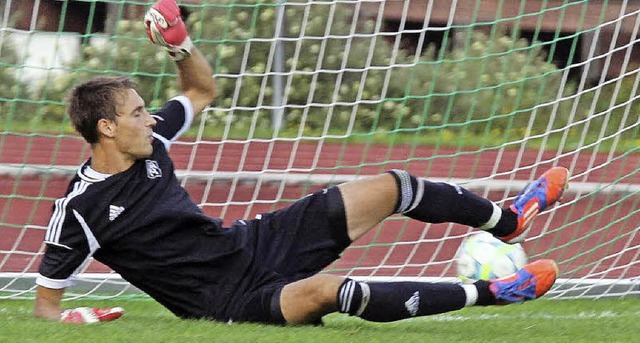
<point x="598" y="21"/>
<point x="559" y="22"/>
<point x="33" y="26"/>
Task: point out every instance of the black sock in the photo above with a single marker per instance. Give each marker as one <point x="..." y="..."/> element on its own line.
<point x="351" y="298"/>
<point x="506" y="225"/>
<point x="390" y="301"/>
<point x="485" y="297"/>
<point x="440" y="202"/>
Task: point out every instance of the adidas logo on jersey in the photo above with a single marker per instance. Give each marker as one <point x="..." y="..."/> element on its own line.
<point x="114" y="212"/>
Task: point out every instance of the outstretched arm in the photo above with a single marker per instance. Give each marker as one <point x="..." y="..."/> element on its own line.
<point x="166" y="28"/>
<point x="196" y="80"/>
<point x="48" y="307"/>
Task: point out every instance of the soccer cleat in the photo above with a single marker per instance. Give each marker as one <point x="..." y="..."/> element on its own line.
<point x="530" y="282"/>
<point x="535" y="198"/>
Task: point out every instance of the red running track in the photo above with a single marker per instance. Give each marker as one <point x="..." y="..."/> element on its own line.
<point x="587" y="235"/>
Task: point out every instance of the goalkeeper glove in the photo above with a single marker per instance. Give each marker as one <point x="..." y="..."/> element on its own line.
<point x="166" y="28"/>
<point x="88" y="315"/>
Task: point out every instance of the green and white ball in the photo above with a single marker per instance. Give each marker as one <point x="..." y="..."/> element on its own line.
<point x="484" y="257"/>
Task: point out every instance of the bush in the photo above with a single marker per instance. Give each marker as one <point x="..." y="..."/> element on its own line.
<point x="128" y="52"/>
<point x="336" y="80"/>
<point x="15" y="102"/>
<point x="487" y="84"/>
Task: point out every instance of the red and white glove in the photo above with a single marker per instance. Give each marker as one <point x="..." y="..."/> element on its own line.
<point x="88" y="315"/>
<point x="166" y="28"/>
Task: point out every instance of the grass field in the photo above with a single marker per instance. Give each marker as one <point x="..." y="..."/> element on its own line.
<point x="538" y="321"/>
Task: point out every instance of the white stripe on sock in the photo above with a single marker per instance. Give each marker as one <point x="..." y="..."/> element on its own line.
<point x="350" y="295"/>
<point x="366" y="294"/>
<point x="472" y="294"/>
<point x="493" y="220"/>
<point x="418" y="196"/>
<point x="346" y="295"/>
<point x="406" y="191"/>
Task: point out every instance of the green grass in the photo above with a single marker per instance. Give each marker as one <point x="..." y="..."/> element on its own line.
<point x="606" y="320"/>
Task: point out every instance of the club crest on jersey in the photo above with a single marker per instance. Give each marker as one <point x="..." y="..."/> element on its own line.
<point x="153" y="169"/>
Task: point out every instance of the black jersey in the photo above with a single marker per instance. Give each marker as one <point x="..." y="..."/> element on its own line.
<point x="144" y="225"/>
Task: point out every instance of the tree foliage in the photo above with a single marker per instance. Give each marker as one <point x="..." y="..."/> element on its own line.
<point x="15" y="103"/>
<point x="339" y="73"/>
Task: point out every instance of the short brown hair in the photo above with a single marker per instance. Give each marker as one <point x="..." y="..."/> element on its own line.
<point x="93" y="100"/>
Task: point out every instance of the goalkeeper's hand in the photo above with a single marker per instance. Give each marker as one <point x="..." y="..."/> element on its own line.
<point x="166" y="28"/>
<point x="88" y="315"/>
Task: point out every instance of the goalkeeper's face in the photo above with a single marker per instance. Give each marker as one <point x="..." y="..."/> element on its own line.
<point x="134" y="126"/>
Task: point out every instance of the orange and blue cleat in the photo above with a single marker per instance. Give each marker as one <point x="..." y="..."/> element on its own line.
<point x="530" y="282"/>
<point x="535" y="198"/>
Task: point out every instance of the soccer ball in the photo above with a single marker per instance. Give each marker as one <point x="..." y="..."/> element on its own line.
<point x="484" y="257"/>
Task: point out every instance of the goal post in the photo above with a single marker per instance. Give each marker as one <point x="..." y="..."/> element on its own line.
<point x="487" y="94"/>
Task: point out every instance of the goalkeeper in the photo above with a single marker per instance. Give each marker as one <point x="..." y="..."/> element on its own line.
<point x="126" y="209"/>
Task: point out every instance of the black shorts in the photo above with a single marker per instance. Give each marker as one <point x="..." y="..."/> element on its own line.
<point x="291" y="244"/>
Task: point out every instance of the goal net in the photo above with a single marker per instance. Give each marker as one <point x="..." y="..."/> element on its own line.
<point x="484" y="93"/>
